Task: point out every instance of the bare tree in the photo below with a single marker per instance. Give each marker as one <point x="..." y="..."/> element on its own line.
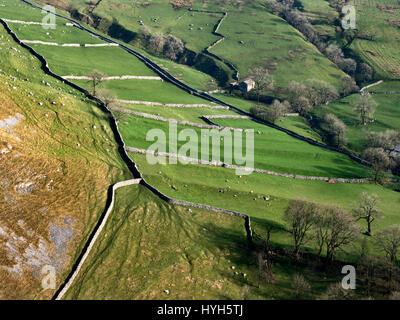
<point x="107" y="97"/>
<point x="336" y="292"/>
<point x="334" y="53"/>
<point x="300" y="216"/>
<point x="336" y="129"/>
<point x="120" y="116"/>
<point x="302" y="105"/>
<point x="144" y="34"/>
<point x="296" y="89"/>
<point x="368" y="266"/>
<point x="156" y="42"/>
<point x="314" y="92"/>
<point x="365" y="108"/>
<point x="367" y="210"/>
<point x="335" y="228"/>
<point x="264" y="257"/>
<point x="259" y="111"/>
<point x="348" y="85"/>
<point x="379" y="160"/>
<point x="320" y="92"/>
<point x="387" y="140"/>
<point x="173" y="47"/>
<point x="96" y="77"/>
<point x="388" y="241"/>
<point x="275" y="7"/>
<point x="348" y="65"/>
<point x="263" y="80"/>
<point x="300" y="286"/>
<point x="276" y="110"/>
<point x="364" y="72"/>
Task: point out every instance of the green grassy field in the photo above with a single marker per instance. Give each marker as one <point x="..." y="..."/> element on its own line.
<point x="242" y="104"/>
<point x="273" y="150"/>
<point x="183" y="114"/>
<point x="56" y="147"/>
<point x="299" y="125"/>
<point x="387" y="113"/>
<point x="191" y="182"/>
<point x="146" y="90"/>
<point x="383" y="52"/>
<point x="375" y="19"/>
<point x="25" y="13"/>
<point x="81" y="61"/>
<point x="148" y="247"/>
<point x="177" y="22"/>
<point x="194" y="78"/>
<point x="321" y="16"/>
<point x="282" y="50"/>
<point x="63" y="35"/>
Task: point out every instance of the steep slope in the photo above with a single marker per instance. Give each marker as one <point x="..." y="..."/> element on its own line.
<point x="58" y="158"/>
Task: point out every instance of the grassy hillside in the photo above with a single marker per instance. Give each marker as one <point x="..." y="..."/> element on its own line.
<point x="383" y="52"/>
<point x="81" y="61"/>
<point x="152" y="250"/>
<point x="270" y="42"/>
<point x="321" y="16"/>
<point x="387" y="113"/>
<point x="273" y="150"/>
<point x="149" y="246"/>
<point x="377" y="31"/>
<point x="56" y="169"/>
<point x="246" y="194"/>
<point x="282" y="50"/>
<point x="184" y="114"/>
<point x="177" y="22"/>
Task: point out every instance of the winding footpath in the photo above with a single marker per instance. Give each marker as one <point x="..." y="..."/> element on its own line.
<point x="371" y="85"/>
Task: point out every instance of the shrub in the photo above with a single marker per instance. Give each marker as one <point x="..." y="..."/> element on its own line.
<point x="300" y="286"/>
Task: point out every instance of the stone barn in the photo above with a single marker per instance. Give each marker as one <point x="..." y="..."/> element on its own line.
<point x="247" y="85"/>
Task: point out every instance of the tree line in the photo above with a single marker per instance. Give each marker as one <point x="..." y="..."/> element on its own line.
<point x="328" y="230"/>
<point x="286" y="9"/>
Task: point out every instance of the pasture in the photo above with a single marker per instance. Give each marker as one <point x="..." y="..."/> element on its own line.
<point x="179" y="254"/>
<point x="387" y="113"/>
<point x="63" y="146"/>
<point x="246" y="194"/>
<point x="273" y="150"/>
<point x="150" y="249"/>
<point x="382" y="53"/>
<point x="247" y="45"/>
